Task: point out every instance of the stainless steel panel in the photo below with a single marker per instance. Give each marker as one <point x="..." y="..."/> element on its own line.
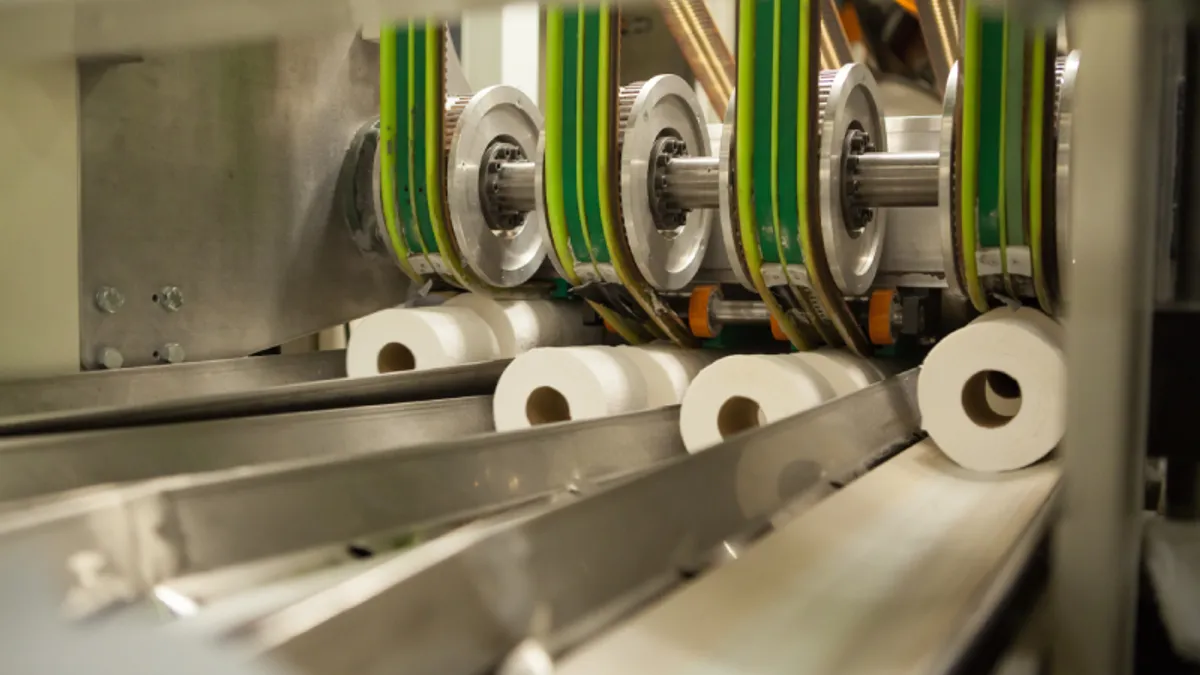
<point x="138" y="386"/>
<point x="171" y="527"/>
<point x="912" y="253"/>
<point x="470" y="598"/>
<point x="469" y="380"/>
<point x="55" y="28"/>
<point x="1115" y="174"/>
<point x="213" y="171"/>
<point x="32" y="466"/>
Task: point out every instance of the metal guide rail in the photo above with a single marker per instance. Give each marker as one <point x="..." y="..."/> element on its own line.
<point x="155" y="384"/>
<point x="468" y="380"/>
<point x="462" y="603"/>
<point x="154" y="531"/>
<point x="36" y="465"/>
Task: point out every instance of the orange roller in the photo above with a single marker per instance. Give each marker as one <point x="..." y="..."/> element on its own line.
<point x="777" y="330"/>
<point x="879" y="317"/>
<point x="699" y="318"/>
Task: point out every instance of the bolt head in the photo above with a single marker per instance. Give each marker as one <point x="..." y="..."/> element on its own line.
<point x="172" y="353"/>
<point x="170" y="298"/>
<point x="109" y="299"/>
<point x="110" y="358"/>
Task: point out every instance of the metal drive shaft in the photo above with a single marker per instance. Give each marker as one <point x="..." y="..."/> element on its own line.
<point x="513" y="187"/>
<point x="692" y="182"/>
<point x="882" y="179"/>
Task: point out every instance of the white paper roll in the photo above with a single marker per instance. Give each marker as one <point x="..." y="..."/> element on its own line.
<point x="667" y="370"/>
<point x="1017" y="354"/>
<point x="739" y="393"/>
<point x="548" y="385"/>
<point x="844" y="371"/>
<point x="521" y="325"/>
<point x="396" y="340"/>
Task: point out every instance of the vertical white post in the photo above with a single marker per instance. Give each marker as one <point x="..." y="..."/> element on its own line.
<point x="39" y="219"/>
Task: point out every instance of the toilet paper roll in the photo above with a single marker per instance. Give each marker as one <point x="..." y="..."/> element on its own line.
<point x="396" y="340"/>
<point x="844" y="371"/>
<point x="1018" y="356"/>
<point x="667" y="370"/>
<point x="547" y="385"/>
<point x="739" y="393"/>
<point x="521" y="325"/>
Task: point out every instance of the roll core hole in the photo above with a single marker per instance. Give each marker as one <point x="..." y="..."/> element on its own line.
<point x="739" y="414"/>
<point x="991" y="398"/>
<point x="547" y="405"/>
<point x="394" y="358"/>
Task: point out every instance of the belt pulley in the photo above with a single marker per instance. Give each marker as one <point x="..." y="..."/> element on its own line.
<point x="579" y="173"/>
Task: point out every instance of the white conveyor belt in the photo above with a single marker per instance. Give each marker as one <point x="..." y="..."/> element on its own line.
<point x="878" y="578"/>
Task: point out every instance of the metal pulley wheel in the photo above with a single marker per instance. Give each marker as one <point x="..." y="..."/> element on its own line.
<point x="490" y="186"/>
<point x="949" y="148"/>
<point x="851" y="125"/>
<point x="667" y="224"/>
<point x="731" y="232"/>
<point x="1067" y="71"/>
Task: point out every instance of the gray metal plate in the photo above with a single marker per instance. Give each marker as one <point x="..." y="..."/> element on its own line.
<point x="469" y="380"/>
<point x="214" y="171"/>
<point x="141" y="386"/>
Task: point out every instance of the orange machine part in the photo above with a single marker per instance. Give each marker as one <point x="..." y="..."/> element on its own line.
<point x="699" y="319"/>
<point x="879" y="317"/>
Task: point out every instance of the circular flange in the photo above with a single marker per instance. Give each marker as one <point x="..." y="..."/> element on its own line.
<point x="501" y="257"/>
<point x="731" y="232"/>
<point x="947" y="185"/>
<point x="1062" y="170"/>
<point x="663" y="106"/>
<point x="853" y="254"/>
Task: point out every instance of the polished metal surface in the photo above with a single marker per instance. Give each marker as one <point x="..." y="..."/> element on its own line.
<point x="1062" y="170"/>
<point x="942" y="30"/>
<point x="835" y="45"/>
<point x="1115" y="175"/>
<point x="62" y="28"/>
<point x="467" y="600"/>
<point x="514" y="186"/>
<point x="912" y="256"/>
<point x="739" y="311"/>
<point x="501" y="257"/>
<point x="853" y="254"/>
<point x="420" y="385"/>
<point x="154" y="531"/>
<point x="731" y="235"/>
<point x="948" y="148"/>
<point x="665" y="106"/>
<point x="32" y="466"/>
<point x="692" y="182"/>
<point x="156" y="384"/>
<point x="214" y="172"/>
<point x="905" y="179"/>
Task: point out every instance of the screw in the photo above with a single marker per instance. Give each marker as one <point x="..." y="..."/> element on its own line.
<point x="170" y="298"/>
<point x="109" y="299"/>
<point x="110" y="358"/>
<point x="171" y="352"/>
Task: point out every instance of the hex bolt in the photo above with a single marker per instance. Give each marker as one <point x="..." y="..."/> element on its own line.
<point x="172" y="352"/>
<point x="170" y="298"/>
<point x="110" y="358"/>
<point x="109" y="299"/>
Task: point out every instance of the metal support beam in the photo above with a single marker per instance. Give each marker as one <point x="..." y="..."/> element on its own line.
<point x="1115" y="166"/>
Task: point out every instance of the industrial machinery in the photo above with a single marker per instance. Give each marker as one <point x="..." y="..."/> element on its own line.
<point x="233" y="197"/>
